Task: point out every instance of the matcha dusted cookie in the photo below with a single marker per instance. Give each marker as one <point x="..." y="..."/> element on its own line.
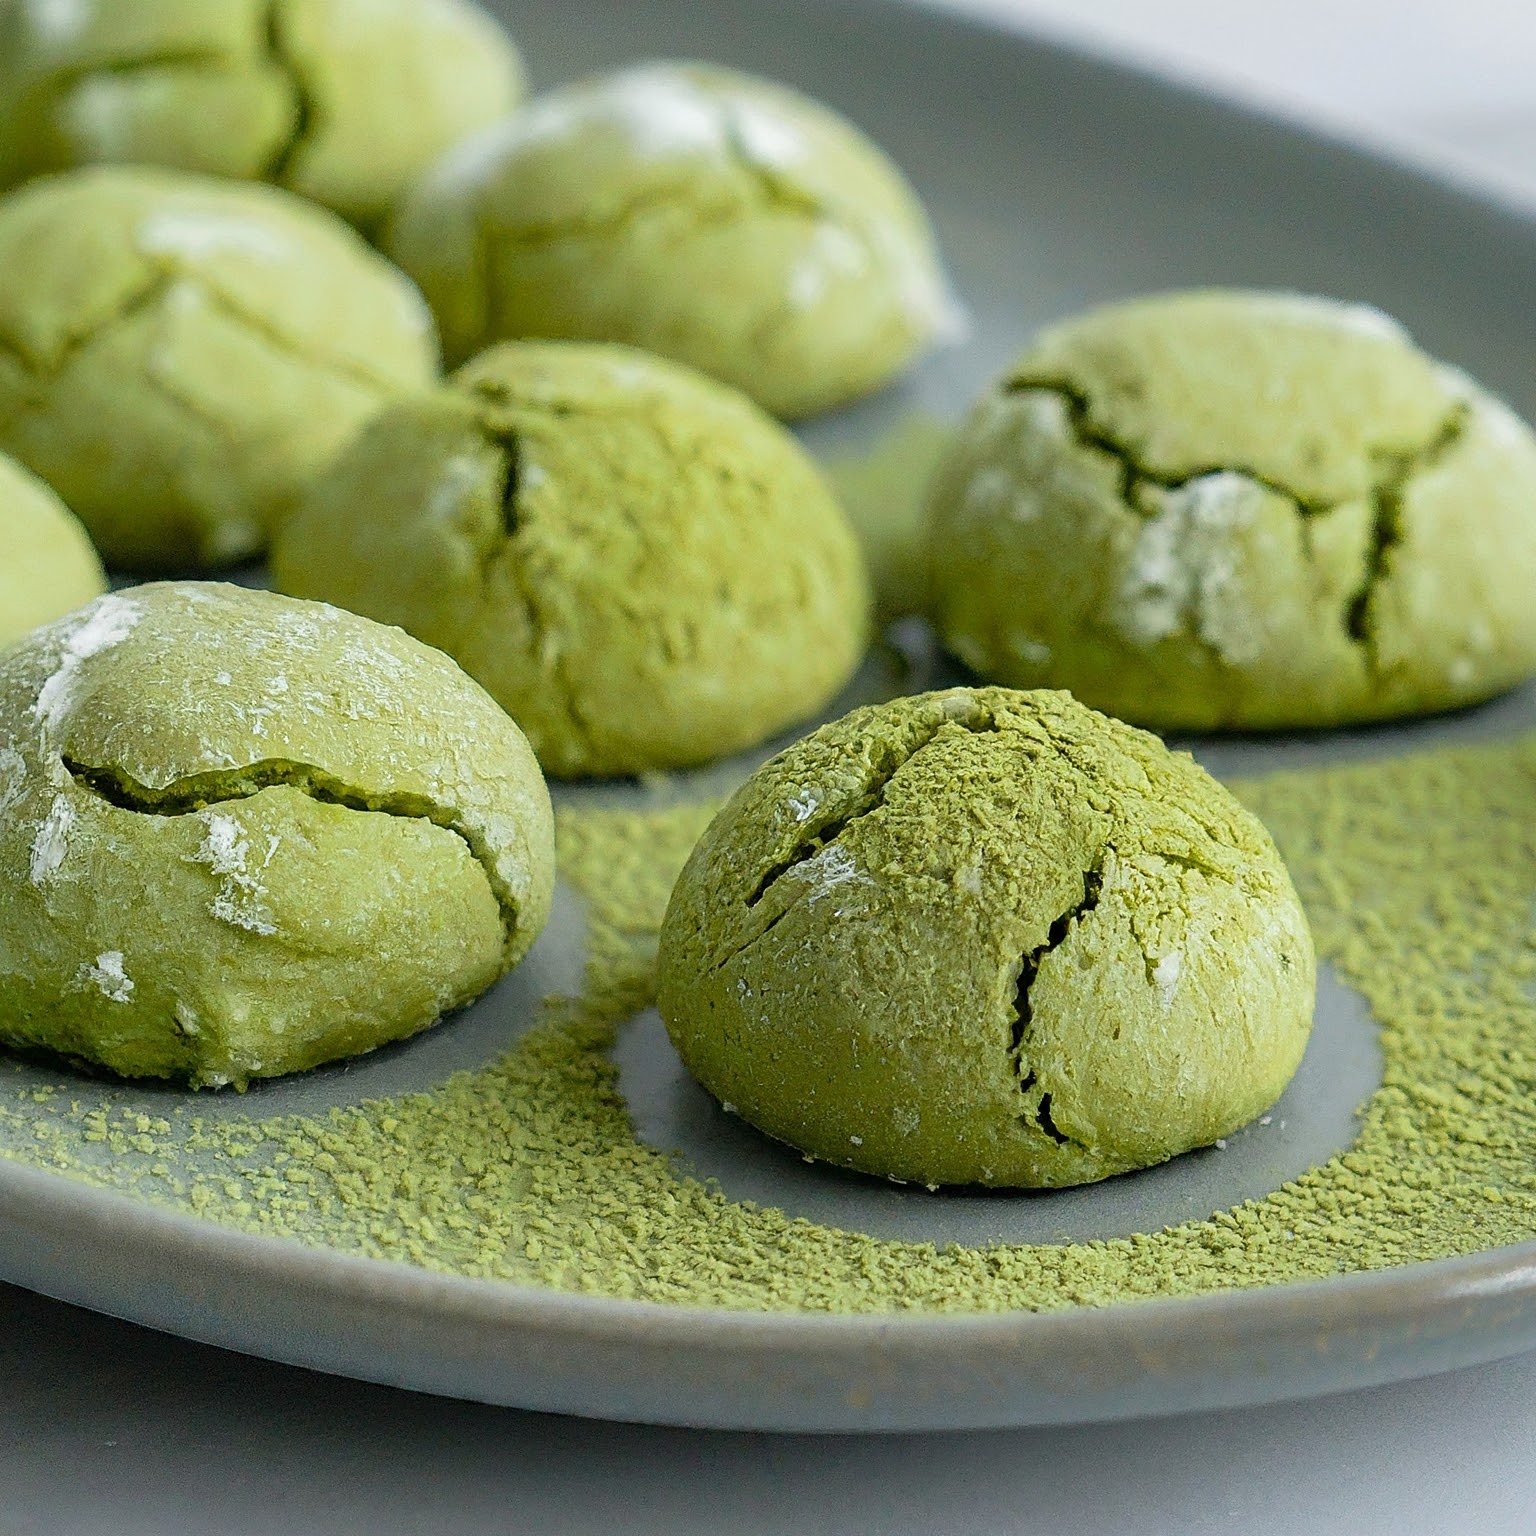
<point x="241" y="835"/>
<point x="1221" y="510"/>
<point x="643" y="569"/>
<point x="717" y="219"/>
<point x="180" y="355"/>
<point x="343" y="101"/>
<point x="47" y="564"/>
<point x="986" y="937"/>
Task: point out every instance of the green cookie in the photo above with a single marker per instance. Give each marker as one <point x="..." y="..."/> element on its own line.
<point x="984" y="937"/>
<point x="344" y="101"/>
<point x="643" y="569"/>
<point x="1231" y="510"/>
<point x="47" y="564"/>
<point x="180" y="355"/>
<point x="240" y="836"/>
<point x="714" y="218"/>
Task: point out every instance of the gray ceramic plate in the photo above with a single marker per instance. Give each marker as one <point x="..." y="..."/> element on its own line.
<point x="1056" y="180"/>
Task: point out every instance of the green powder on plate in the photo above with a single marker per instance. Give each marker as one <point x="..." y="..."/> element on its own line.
<point x="1418" y="875"/>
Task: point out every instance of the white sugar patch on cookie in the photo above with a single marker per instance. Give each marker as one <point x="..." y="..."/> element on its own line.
<point x="51" y="843"/>
<point x="197" y="234"/>
<point x="100" y="626"/>
<point x="226" y="850"/>
<point x="107" y="976"/>
<point x="57" y="21"/>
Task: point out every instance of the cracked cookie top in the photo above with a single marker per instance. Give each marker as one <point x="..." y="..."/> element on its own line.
<point x="703" y="214"/>
<point x="240" y="835"/>
<point x="1227" y="510"/>
<point x="179" y="354"/>
<point x="343" y="101"/>
<point x="641" y="566"/>
<point x="987" y="937"/>
<point x="47" y="564"/>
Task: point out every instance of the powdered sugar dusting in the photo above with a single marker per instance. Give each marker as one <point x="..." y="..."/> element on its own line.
<point x="108" y="977"/>
<point x="100" y="117"/>
<point x="831" y="252"/>
<point x="768" y="138"/>
<point x="199" y="234"/>
<point x="458" y="478"/>
<point x="1335" y="314"/>
<point x="51" y="843"/>
<point x="226" y="850"/>
<point x="57" y="21"/>
<point x="663" y="112"/>
<point x="13" y="774"/>
<point x="97" y="628"/>
<point x="1165" y="975"/>
<point x="803" y="806"/>
<point x="931" y="306"/>
<point x="831" y="867"/>
<point x="659" y="110"/>
<point x="1183" y="571"/>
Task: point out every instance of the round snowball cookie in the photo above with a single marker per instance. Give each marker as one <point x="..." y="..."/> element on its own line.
<point x="243" y="835"/>
<point x="179" y="355"/>
<point x="346" y="102"/>
<point x="985" y="937"/>
<point x="705" y="215"/>
<point x="642" y="567"/>
<point x="47" y="564"/>
<point x="1239" y="510"/>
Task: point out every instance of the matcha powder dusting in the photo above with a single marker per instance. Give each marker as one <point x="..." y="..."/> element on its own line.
<point x="1418" y="874"/>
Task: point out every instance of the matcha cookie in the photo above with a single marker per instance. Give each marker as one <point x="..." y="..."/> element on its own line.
<point x="243" y="835"/>
<point x="986" y="937"/>
<point x="47" y="564"/>
<point x="717" y="219"/>
<point x="643" y="569"/>
<point x="1233" y="510"/>
<point x="179" y="355"/>
<point x="346" y="102"/>
<point x="883" y="492"/>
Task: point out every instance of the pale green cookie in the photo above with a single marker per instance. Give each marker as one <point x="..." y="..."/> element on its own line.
<point x="985" y="937"/>
<point x="644" y="569"/>
<point x="344" y="101"/>
<point x="883" y="492"/>
<point x="47" y="564"/>
<point x="180" y="355"/>
<point x="703" y="214"/>
<point x="1229" y="510"/>
<point x="241" y="835"/>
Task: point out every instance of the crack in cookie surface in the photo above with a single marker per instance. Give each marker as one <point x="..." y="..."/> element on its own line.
<point x="193" y="793"/>
<point x="1386" y="493"/>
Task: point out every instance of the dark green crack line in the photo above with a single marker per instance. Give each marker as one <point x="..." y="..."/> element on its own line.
<point x="1022" y="1011"/>
<point x="501" y="549"/>
<point x="306" y="114"/>
<point x="821" y="833"/>
<point x="1133" y="472"/>
<point x="197" y="792"/>
<point x="1386" y="494"/>
<point x="1387" y="525"/>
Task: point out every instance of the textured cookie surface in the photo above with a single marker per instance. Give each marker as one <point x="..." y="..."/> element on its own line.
<point x="702" y="214"/>
<point x="643" y="568"/>
<point x="343" y="101"/>
<point x="1232" y="509"/>
<point x="47" y="564"/>
<point x="242" y="835"/>
<point x="179" y="355"/>
<point x="987" y="937"/>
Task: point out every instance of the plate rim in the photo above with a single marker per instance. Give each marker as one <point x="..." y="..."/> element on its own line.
<point x="28" y="1192"/>
<point x="1404" y="1302"/>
